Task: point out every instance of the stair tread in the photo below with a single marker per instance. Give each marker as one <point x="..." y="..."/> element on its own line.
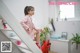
<point x="25" y="51"/>
<point x="23" y="45"/>
<point x="15" y="37"/>
<point x="8" y="28"/>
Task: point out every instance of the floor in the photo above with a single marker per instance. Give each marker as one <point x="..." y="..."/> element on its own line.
<point x="52" y="52"/>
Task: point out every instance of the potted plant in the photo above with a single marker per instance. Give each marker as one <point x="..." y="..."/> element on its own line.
<point x="43" y="34"/>
<point x="76" y="39"/>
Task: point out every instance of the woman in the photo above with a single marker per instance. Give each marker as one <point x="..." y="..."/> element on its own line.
<point x="29" y="26"/>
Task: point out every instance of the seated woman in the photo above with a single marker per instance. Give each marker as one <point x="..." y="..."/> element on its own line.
<point x="29" y="26"/>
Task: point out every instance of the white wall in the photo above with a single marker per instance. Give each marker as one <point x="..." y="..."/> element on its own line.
<point x="40" y="18"/>
<point x="67" y="26"/>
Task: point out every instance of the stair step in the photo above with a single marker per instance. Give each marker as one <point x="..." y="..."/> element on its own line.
<point x="23" y="46"/>
<point x="15" y="37"/>
<point x="25" y="51"/>
<point x="6" y="29"/>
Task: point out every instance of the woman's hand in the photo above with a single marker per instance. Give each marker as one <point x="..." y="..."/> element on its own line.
<point x="34" y="31"/>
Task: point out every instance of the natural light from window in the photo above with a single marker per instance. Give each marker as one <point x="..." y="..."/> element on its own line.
<point x="67" y="11"/>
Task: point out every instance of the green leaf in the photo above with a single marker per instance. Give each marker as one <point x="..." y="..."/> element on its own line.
<point x="76" y="38"/>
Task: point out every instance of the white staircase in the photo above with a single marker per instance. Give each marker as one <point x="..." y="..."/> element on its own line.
<point x="16" y="32"/>
<point x="13" y="37"/>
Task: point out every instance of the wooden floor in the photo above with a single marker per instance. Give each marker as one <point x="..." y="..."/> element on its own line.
<point x="52" y="52"/>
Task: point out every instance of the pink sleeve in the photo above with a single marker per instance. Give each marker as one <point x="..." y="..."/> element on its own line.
<point x="33" y="26"/>
<point x="23" y="23"/>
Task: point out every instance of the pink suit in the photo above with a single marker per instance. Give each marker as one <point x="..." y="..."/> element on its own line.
<point x="29" y="26"/>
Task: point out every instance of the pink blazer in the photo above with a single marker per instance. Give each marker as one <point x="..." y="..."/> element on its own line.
<point x="28" y="25"/>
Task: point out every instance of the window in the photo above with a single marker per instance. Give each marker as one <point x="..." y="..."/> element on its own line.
<point x="67" y="11"/>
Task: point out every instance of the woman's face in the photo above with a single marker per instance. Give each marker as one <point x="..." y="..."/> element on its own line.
<point x="31" y="12"/>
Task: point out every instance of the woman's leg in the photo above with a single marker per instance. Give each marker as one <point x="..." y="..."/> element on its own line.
<point x="38" y="39"/>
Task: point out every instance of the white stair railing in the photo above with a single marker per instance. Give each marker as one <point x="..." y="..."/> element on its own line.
<point x="17" y="28"/>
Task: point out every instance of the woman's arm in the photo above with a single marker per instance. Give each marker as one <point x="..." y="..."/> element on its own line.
<point x="24" y="26"/>
<point x="23" y="23"/>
